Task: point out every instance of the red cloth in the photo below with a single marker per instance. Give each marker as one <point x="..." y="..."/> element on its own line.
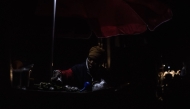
<point x="67" y="77"/>
<point x="67" y="73"/>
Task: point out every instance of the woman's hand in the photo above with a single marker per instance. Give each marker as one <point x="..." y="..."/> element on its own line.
<point x="56" y="75"/>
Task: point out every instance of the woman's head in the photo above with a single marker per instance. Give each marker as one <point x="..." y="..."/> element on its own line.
<point x="96" y="56"/>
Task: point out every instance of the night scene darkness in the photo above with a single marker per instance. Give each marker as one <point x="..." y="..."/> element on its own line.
<point x="147" y="69"/>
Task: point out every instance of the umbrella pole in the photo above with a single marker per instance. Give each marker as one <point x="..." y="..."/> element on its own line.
<point x="53" y="35"/>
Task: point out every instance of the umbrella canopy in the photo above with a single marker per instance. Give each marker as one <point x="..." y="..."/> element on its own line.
<point x="108" y="18"/>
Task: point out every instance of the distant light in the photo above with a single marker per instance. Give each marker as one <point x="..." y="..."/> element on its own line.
<point x="168" y="66"/>
<point x="164" y="65"/>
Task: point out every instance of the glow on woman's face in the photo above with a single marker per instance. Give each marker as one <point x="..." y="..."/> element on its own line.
<point x="92" y="63"/>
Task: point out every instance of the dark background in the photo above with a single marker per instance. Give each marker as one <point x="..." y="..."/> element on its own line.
<point x="28" y="38"/>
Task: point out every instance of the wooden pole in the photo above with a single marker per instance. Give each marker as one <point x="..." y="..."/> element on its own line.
<point x="108" y="53"/>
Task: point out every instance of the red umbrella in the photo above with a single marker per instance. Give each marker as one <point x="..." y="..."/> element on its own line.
<point x="111" y="17"/>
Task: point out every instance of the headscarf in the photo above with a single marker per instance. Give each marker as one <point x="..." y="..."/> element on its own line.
<point x="96" y="53"/>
